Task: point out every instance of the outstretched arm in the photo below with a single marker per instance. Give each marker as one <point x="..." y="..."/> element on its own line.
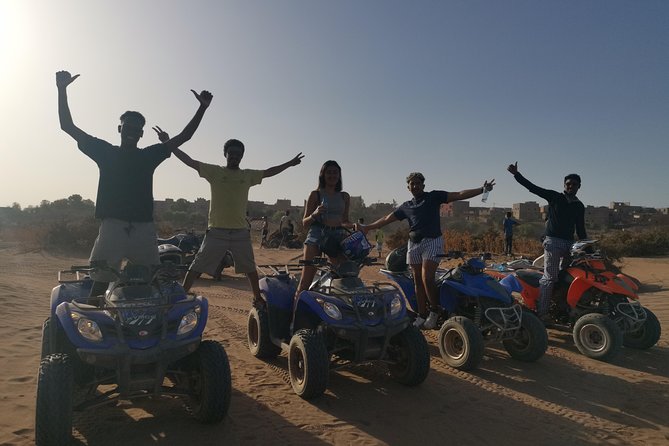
<point x="187" y="160"/>
<point x="63" y="79"/>
<point x="469" y="193"/>
<point x="204" y="98"/>
<point x="536" y="190"/>
<point x="281" y="167"/>
<point x="381" y="222"/>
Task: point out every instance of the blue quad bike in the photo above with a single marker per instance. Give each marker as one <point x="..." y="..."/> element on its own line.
<point x="475" y="310"/>
<point x="142" y="337"/>
<point x="337" y="322"/>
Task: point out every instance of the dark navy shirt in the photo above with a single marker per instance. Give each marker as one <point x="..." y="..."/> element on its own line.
<point x="564" y="214"/>
<point x="508" y="226"/>
<point x="125" y="189"/>
<point x="423" y="214"/>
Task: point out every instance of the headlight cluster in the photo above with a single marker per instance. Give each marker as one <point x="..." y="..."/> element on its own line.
<point x="396" y="305"/>
<point x="87" y="328"/>
<point x="330" y="309"/>
<point x="189" y="321"/>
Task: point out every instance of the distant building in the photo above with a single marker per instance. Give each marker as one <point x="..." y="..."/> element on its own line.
<point x="597" y="217"/>
<point x="528" y="211"/>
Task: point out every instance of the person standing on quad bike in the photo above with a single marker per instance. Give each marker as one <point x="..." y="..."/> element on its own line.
<point x="124" y="202"/>
<point x="228" y="229"/>
<point x="326" y="217"/>
<point x="426" y="242"/>
<point x="566" y="213"/>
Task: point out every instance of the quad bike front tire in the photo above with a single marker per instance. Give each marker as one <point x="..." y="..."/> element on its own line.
<point x="461" y="343"/>
<point x="258" y="335"/>
<point x="209" y="382"/>
<point x="47" y="338"/>
<point x="646" y="336"/>
<point x="308" y="363"/>
<point x="274" y="243"/>
<point x="53" y="411"/>
<point x="597" y="336"/>
<point x="410" y="357"/>
<point x="531" y="341"/>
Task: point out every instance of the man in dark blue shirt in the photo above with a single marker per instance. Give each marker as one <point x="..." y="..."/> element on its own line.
<point x="508" y="225"/>
<point x="566" y="214"/>
<point x="426" y="242"/>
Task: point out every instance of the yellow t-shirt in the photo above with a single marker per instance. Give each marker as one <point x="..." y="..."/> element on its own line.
<point x="229" y="194"/>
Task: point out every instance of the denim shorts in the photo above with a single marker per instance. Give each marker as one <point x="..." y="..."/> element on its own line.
<point x="318" y="234"/>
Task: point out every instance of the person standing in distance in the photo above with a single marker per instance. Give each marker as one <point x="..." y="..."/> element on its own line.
<point x="124" y="202"/>
<point x="566" y="214"/>
<point x="508" y="225"/>
<point x="228" y="229"/>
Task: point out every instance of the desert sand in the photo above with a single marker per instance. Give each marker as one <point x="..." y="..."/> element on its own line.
<point x="564" y="398"/>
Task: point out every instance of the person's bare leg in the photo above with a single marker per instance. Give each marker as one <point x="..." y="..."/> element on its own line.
<point x="431" y="290"/>
<point x="419" y="287"/>
<point x="308" y="272"/>
<point x="255" y="287"/>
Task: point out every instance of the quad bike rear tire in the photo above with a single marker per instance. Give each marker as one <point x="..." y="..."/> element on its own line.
<point x="597" y="336"/>
<point x="53" y="412"/>
<point x="461" y="343"/>
<point x="258" y="335"/>
<point x="210" y="382"/>
<point x="531" y="341"/>
<point x="646" y="336"/>
<point x="410" y="357"/>
<point x="308" y="363"/>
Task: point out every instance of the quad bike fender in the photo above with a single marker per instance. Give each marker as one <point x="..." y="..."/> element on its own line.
<point x="579" y="286"/>
<point x="65" y="292"/>
<point x="511" y="283"/>
<point x="447" y="298"/>
<point x="628" y="283"/>
<point x="307" y="302"/>
<point x="279" y="292"/>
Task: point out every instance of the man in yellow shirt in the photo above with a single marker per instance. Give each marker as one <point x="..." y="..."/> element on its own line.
<point x="228" y="228"/>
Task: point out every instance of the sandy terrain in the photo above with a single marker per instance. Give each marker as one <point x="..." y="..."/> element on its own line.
<point x="564" y="398"/>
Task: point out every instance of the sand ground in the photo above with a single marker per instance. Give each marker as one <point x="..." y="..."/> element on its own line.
<point x="564" y="398"/>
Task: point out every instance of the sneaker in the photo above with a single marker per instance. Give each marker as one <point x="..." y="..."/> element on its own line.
<point x="418" y="322"/>
<point x="431" y="321"/>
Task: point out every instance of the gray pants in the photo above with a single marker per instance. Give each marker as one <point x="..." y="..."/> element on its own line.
<point x="556" y="256"/>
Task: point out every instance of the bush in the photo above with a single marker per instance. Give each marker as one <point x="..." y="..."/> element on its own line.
<point x="636" y="243"/>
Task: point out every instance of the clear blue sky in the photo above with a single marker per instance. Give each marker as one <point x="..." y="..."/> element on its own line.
<point x="455" y="89"/>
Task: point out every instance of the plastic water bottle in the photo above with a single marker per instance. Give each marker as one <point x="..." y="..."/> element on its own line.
<point x="484" y="197"/>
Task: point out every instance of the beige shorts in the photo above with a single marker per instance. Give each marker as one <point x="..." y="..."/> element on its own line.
<point x="216" y="242"/>
<point x="118" y="240"/>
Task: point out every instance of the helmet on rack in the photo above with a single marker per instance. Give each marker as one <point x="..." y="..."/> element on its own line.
<point x="396" y="261"/>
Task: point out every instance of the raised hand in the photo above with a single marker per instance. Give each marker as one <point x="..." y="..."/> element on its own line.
<point x="488" y="185"/>
<point x="297" y="160"/>
<point x="162" y="135"/>
<point x="513" y="168"/>
<point x="204" y="98"/>
<point x="64" y="78"/>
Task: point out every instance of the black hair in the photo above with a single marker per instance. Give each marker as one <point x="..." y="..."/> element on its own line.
<point x="321" y="176"/>
<point x="573" y="176"/>
<point x="133" y="114"/>
<point x="509" y="214"/>
<point x="230" y="143"/>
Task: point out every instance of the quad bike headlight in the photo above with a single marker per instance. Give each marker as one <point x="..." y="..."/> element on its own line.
<point x="189" y="321"/>
<point x="87" y="328"/>
<point x="395" y="305"/>
<point x="330" y="309"/>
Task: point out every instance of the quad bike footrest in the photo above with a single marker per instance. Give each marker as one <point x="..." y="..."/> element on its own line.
<point x="506" y="319"/>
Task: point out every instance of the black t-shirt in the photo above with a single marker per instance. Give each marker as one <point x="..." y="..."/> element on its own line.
<point x="564" y="214"/>
<point x="423" y="214"/>
<point x="125" y="189"/>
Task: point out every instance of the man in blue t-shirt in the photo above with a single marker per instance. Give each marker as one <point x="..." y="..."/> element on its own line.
<point x="124" y="202"/>
<point x="426" y="242"/>
<point x="508" y="225"/>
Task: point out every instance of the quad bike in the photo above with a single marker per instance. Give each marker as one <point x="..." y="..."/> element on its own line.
<point x="143" y="337"/>
<point x="338" y="321"/>
<point x="181" y="249"/>
<point x="593" y="300"/>
<point x="475" y="310"/>
<point x="285" y="238"/>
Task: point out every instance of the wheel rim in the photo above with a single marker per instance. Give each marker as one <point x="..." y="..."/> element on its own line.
<point x="454" y="344"/>
<point x="594" y="338"/>
<point x="254" y="335"/>
<point x="297" y="365"/>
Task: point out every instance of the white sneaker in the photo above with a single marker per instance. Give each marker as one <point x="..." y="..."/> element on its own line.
<point x="431" y="321"/>
<point x="418" y="322"/>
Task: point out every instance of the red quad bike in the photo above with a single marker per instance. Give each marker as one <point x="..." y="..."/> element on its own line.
<point x="593" y="300"/>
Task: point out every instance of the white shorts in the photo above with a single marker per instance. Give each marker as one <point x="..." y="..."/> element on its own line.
<point x="426" y="249"/>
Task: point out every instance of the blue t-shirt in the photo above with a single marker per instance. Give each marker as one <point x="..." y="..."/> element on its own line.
<point x="423" y="213"/>
<point x="508" y="226"/>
